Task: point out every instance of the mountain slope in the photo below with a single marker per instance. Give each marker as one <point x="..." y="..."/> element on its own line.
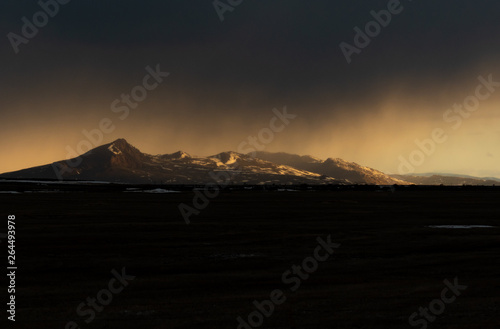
<point x="121" y="162"/>
<point x="446" y="180"/>
<point x="337" y="168"/>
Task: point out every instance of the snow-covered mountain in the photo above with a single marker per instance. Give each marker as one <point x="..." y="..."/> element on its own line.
<point x="337" y="168"/>
<point x="121" y="162"/>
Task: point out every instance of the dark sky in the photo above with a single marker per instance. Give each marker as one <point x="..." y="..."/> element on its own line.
<point x="226" y="77"/>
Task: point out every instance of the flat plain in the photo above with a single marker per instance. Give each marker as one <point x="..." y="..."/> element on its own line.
<point x="390" y="262"/>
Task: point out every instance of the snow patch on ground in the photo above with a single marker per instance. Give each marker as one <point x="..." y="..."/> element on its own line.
<point x="232" y="256"/>
<point x="156" y="190"/>
<point x="53" y="182"/>
<point x="460" y="226"/>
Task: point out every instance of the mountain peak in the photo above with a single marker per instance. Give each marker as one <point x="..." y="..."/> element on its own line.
<point x="229" y="157"/>
<point x="119" y="161"/>
<point x="122" y="154"/>
<point x="176" y="155"/>
<point x="120" y="142"/>
<point x="120" y="145"/>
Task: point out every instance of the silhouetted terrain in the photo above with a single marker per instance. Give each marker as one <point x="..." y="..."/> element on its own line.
<point x="121" y="162"/>
<point x="447" y="180"/>
<point x="206" y="274"/>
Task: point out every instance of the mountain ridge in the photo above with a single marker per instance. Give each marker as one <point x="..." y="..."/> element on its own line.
<point x="119" y="161"/>
<point x="333" y="167"/>
<point x="449" y="180"/>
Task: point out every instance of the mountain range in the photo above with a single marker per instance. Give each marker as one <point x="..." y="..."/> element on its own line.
<point x="121" y="162"/>
<point x="447" y="179"/>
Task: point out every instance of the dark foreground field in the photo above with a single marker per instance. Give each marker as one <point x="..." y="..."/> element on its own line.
<point x="208" y="273"/>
